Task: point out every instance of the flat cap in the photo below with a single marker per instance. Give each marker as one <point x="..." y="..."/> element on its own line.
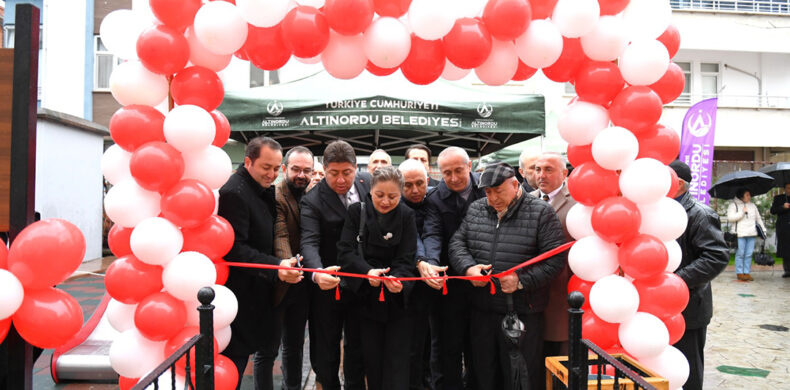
<point x="682" y="170"/>
<point x="495" y="174"/>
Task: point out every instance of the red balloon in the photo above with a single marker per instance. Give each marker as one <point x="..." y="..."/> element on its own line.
<point x="223" y="271"/>
<point x="305" y="31"/>
<point x="644" y="256"/>
<point x="118" y="240"/>
<point x="178" y="340"/>
<point x="349" y="17"/>
<point x="266" y="48"/>
<point x="571" y="59"/>
<point x="599" y="82"/>
<point x="671" y="85"/>
<point x="129" y="280"/>
<point x="5" y="325"/>
<point x="3" y="256"/>
<point x="612" y="7"/>
<point x="241" y="53"/>
<point x="600" y="332"/>
<point x="590" y="184"/>
<point x="425" y="62"/>
<point x="635" y="108"/>
<point x="45" y="253"/>
<point x="523" y="72"/>
<point x="134" y="125"/>
<point x="48" y="318"/>
<point x="177" y="14"/>
<point x="659" y="142"/>
<point x="578" y="284"/>
<point x="579" y="154"/>
<point x="676" y="325"/>
<point x="226" y="376"/>
<point x="394" y="8"/>
<point x="163" y="50"/>
<point x="160" y="316"/>
<point x="125" y="383"/>
<point x="378" y="71"/>
<point x="616" y="219"/>
<point x="542" y="9"/>
<point x="223" y="128"/>
<point x="468" y="44"/>
<point x="156" y="166"/>
<point x="188" y="203"/>
<point x="213" y="238"/>
<point x="663" y="295"/>
<point x="507" y="19"/>
<point x="673" y="188"/>
<point x="671" y="39"/>
<point x="198" y="86"/>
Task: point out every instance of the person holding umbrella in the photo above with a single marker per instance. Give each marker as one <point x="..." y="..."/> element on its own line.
<point x="747" y="219"/>
<point x="781" y="208"/>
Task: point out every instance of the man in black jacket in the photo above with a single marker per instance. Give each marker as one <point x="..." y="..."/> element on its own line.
<point x="781" y="208"/>
<point x="705" y="255"/>
<point x="247" y="202"/>
<point x="506" y="229"/>
<point x="446" y="209"/>
<point x="323" y="212"/>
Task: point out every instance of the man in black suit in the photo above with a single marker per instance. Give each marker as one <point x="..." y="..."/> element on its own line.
<point x="422" y="154"/>
<point x="247" y="202"/>
<point x="323" y="212"/>
<point x="781" y="208"/>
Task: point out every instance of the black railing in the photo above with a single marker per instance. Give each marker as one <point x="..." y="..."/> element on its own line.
<point x="203" y="344"/>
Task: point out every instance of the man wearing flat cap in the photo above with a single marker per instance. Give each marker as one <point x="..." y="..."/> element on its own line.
<point x="503" y="230"/>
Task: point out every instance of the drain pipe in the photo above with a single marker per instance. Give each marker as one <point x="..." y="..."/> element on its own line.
<point x="759" y="80"/>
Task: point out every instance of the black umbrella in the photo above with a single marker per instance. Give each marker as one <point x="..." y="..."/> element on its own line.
<point x="757" y="183"/>
<point x="779" y="171"/>
<point x="514" y="331"/>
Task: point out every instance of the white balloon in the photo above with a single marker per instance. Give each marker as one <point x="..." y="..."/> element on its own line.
<point x="575" y="18"/>
<point x="645" y="180"/>
<point x="120" y="315"/>
<point x="644" y="62"/>
<point x="579" y="221"/>
<point x="201" y="56"/>
<point x="607" y="40"/>
<point x="115" y="164"/>
<point x="11" y="294"/>
<point x="387" y="42"/>
<point x="156" y="241"/>
<point x="211" y="165"/>
<point x="581" y="122"/>
<point x="187" y="273"/>
<point x="263" y="13"/>
<point x="132" y="355"/>
<point x="132" y="83"/>
<point x="500" y="66"/>
<point x="344" y="57"/>
<point x="189" y="128"/>
<point x="614" y="148"/>
<point x="119" y="31"/>
<point x="647" y="18"/>
<point x="675" y="255"/>
<point x="670" y="364"/>
<point x="614" y="299"/>
<point x="311" y="3"/>
<point x="643" y="335"/>
<point x="127" y="203"/>
<point x="165" y="381"/>
<point x="665" y="219"/>
<point x="592" y="258"/>
<point x="216" y="201"/>
<point x="431" y="19"/>
<point x="223" y="337"/>
<point x="220" y="27"/>
<point x="452" y="72"/>
<point x="541" y="45"/>
<point x="225" y="308"/>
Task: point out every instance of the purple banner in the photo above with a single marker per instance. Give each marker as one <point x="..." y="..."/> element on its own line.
<point x="696" y="146"/>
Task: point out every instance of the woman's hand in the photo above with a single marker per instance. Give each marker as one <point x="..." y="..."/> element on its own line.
<point x="393" y="286"/>
<point x="377" y="272"/>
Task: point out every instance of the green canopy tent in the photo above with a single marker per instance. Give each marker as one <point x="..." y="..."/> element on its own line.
<point x="383" y="112"/>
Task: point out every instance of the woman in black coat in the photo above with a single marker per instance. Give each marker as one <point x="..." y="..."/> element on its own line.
<point x="781" y="208"/>
<point x="388" y="244"/>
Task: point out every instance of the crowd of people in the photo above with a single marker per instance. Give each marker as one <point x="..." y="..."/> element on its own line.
<point x="395" y="222"/>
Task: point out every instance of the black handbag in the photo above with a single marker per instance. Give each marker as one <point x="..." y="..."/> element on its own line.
<point x="763" y="258"/>
<point x="760" y="231"/>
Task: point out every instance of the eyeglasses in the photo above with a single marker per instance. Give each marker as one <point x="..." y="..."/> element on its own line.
<point x="297" y="171"/>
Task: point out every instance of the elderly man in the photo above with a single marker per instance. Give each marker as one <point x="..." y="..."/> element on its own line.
<point x="498" y="233"/>
<point x="446" y="209"/>
<point x="379" y="158"/>
<point x="526" y="167"/>
<point x="705" y="255"/>
<point x="422" y="154"/>
<point x="550" y="174"/>
<point x="317" y="176"/>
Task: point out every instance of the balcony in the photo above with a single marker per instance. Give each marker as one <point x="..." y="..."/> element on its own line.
<point x="735" y="6"/>
<point x="737" y="101"/>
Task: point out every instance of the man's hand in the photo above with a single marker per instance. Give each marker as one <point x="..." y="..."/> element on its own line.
<point x="475" y="270"/>
<point x="325" y="281"/>
<point x="428" y="270"/>
<point x="290" y="276"/>
<point x="509" y="283"/>
<point x="377" y="272"/>
<point x="393" y="286"/>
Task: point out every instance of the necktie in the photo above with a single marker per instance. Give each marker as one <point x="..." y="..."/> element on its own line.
<point x="545" y="197"/>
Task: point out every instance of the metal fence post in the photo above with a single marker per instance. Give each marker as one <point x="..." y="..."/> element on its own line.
<point x="204" y="349"/>
<point x="576" y="352"/>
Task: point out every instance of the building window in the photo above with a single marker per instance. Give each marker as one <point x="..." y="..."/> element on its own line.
<point x="257" y="77"/>
<point x="710" y="77"/>
<point x="103" y="66"/>
<point x="570" y="89"/>
<point x="685" y="97"/>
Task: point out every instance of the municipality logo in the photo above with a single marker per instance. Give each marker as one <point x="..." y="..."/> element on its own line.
<point x="484" y="110"/>
<point x="699" y="123"/>
<point x="274" y="108"/>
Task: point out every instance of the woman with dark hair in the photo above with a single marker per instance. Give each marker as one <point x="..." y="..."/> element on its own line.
<point x="744" y="216"/>
<point x="385" y="246"/>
